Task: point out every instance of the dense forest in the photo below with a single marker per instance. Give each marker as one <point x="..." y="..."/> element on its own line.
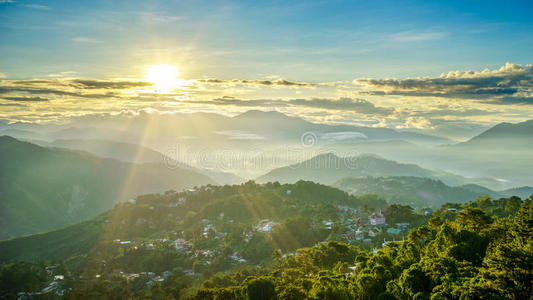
<point x="275" y="241"/>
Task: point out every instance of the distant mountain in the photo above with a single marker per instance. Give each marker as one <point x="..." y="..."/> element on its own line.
<point x="275" y="122"/>
<point x="109" y="149"/>
<point x="266" y="126"/>
<point x="522" y="192"/>
<point x="328" y="168"/>
<point x="44" y="188"/>
<point x="136" y="154"/>
<point x="504" y="136"/>
<point x="413" y="191"/>
<point x="481" y="190"/>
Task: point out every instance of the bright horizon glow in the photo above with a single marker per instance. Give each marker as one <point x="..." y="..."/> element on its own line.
<point x="165" y="77"/>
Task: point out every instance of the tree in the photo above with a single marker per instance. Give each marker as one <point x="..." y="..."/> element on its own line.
<point x="473" y="219"/>
<point x="261" y="288"/>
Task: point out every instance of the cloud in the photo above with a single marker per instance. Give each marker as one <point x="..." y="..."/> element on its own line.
<point x="240" y="135"/>
<point x="36" y="6"/>
<point x="27" y="99"/>
<point x="108" y="84"/>
<point x="357" y="105"/>
<point x="412" y="36"/>
<point x="86" y="40"/>
<point x="279" y="82"/>
<point x="512" y="83"/>
<point x="157" y="18"/>
<point x="63" y="74"/>
<point x="12" y="105"/>
<point x="416" y="123"/>
<point x="77" y="87"/>
<point x="3" y="75"/>
<point x="346" y="104"/>
<point x="48" y="91"/>
<point x="343" y="136"/>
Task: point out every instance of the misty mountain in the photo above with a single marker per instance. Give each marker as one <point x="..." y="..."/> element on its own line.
<point x="503" y="137"/>
<point x="413" y="191"/>
<point x="45" y="188"/>
<point x="254" y="125"/>
<point x="522" y="192"/>
<point x="128" y="152"/>
<point x="108" y="149"/>
<point x="328" y="168"/>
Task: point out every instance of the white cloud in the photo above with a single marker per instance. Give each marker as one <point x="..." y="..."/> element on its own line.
<point x="81" y="39"/>
<point x="155" y="18"/>
<point x="36" y="6"/>
<point x="64" y="74"/>
<point x="512" y="83"/>
<point x="412" y="36"/>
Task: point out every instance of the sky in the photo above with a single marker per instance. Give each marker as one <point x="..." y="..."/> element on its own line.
<point x="449" y="68"/>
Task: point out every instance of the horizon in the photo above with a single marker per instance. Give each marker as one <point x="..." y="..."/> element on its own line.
<point x="374" y="64"/>
<point x="266" y="150"/>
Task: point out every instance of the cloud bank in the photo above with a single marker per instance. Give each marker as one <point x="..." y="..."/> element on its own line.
<point x="512" y="83"/>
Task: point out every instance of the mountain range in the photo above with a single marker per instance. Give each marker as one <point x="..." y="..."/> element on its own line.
<point x="423" y="192"/>
<point x="47" y="188"/>
<point x="328" y="168"/>
<point x="133" y="153"/>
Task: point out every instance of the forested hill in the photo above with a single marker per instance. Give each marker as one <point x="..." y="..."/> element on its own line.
<point x="328" y="168"/>
<point x="237" y="209"/>
<point x="420" y="192"/>
<point x="241" y="241"/>
<point x="481" y="252"/>
<point x="44" y="189"/>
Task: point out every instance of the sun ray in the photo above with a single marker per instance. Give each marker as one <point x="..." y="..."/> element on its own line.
<point x="164" y="77"/>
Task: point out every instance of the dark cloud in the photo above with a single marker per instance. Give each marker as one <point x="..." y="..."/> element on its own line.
<point x="357" y="105"/>
<point x="49" y="91"/>
<point x="21" y="98"/>
<point x="512" y="83"/>
<point x="68" y="87"/>
<point x="347" y="104"/>
<point x="108" y="84"/>
<point x="12" y="105"/>
<point x="279" y="82"/>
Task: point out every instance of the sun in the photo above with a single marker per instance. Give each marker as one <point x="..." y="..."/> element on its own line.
<point x="164" y="77"/>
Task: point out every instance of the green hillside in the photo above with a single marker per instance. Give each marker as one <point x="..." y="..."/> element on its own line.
<point x="414" y="191"/>
<point x="43" y="189"/>
<point x="329" y="168"/>
<point x="291" y="241"/>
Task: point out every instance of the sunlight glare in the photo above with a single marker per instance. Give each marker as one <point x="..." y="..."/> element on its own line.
<point x="163" y="76"/>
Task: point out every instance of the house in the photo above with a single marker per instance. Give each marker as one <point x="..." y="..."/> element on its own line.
<point x="428" y="212"/>
<point x="181" y="245"/>
<point x="376" y="219"/>
<point x="132" y="201"/>
<point x="266" y="226"/>
<point x="328" y="224"/>
<point x="289" y="192"/>
<point x="394" y="231"/>
<point x="402" y="225"/>
<point x="236" y="257"/>
<point x="451" y="209"/>
<point x="374" y="231"/>
<point x="350" y="236"/>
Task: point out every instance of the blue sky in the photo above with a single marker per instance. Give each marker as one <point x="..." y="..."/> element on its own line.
<point x="373" y="63"/>
<point x="307" y="40"/>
